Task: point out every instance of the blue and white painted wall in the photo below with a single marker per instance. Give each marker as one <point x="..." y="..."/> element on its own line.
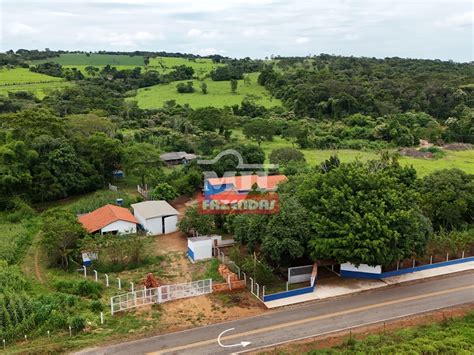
<point x="365" y="271"/>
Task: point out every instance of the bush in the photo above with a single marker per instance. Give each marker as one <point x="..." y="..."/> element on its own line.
<point x="77" y="323"/>
<point x="96" y="306"/>
<point x="83" y="288"/>
<point x="187" y="88"/>
<point x="284" y="156"/>
<point x="436" y="151"/>
<point x="163" y="191"/>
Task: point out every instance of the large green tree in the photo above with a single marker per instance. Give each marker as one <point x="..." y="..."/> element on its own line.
<point x="142" y="160"/>
<point x="362" y="213"/>
<point x="448" y="198"/>
<point x="259" y="130"/>
<point x="60" y="234"/>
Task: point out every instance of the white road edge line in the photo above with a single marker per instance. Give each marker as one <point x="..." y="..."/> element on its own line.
<point x="343" y="329"/>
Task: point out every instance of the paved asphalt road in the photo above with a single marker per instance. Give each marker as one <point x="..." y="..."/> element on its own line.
<point x="309" y="319"/>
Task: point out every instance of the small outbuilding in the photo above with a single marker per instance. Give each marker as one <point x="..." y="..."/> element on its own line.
<point x="200" y="248"/>
<point x="175" y="158"/>
<point x="109" y="219"/>
<point x="156" y="217"/>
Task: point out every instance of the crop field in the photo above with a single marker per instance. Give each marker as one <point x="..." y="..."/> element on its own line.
<point x="463" y="160"/>
<point x="22" y="79"/>
<point x="75" y="59"/>
<point x="219" y="94"/>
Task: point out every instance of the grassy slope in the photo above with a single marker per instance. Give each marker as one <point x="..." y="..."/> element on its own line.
<point x="455" y="336"/>
<point x="463" y="160"/>
<point x="22" y="79"/>
<point x="219" y="94"/>
<point x="165" y="64"/>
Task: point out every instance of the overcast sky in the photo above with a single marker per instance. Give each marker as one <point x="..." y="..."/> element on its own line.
<point x="440" y="29"/>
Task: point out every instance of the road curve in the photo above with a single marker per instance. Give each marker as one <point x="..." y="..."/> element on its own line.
<point x="310" y="319"/>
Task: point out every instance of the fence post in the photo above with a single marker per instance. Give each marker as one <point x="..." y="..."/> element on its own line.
<point x="431" y="259"/>
<point x="132" y="286"/>
<point x="263" y="293"/>
<point x="251" y="285"/>
<point x="447" y="256"/>
<point x="228" y="282"/>
<point x="414" y="260"/>
<point x="119" y="283"/>
<point x="159" y="294"/>
<point x="106" y="280"/>
<point x="101" y="318"/>
<point x="245" y="278"/>
<point x="258" y="290"/>
<point x="112" y="305"/>
<point x="85" y="271"/>
<point x="96" y="275"/>
<point x="398" y="264"/>
<point x="286" y="285"/>
<point x="462" y="256"/>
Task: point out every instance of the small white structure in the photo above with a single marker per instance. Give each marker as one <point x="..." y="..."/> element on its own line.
<point x="156" y="217"/>
<point x="200" y="248"/>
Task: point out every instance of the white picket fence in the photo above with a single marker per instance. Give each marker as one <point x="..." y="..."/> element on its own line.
<point x="160" y="294"/>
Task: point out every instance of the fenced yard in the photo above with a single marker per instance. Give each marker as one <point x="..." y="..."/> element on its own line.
<point x="159" y="295"/>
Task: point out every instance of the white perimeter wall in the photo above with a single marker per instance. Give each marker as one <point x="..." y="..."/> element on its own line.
<point x="122" y="227"/>
<point x="362" y="268"/>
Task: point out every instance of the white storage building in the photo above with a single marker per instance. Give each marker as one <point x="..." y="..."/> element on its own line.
<point x="156" y="217"/>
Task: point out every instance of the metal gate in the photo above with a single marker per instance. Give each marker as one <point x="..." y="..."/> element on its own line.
<point x="159" y="295"/>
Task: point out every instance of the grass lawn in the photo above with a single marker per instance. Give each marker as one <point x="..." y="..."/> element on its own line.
<point x="219" y="94"/>
<point x="463" y="160"/>
<point x="22" y="79"/>
<point x="75" y="59"/>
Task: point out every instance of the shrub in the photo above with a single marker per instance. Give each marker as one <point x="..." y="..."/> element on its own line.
<point x="163" y="191"/>
<point x="96" y="306"/>
<point x="187" y="88"/>
<point x="77" y="323"/>
<point x="286" y="155"/>
<point x="84" y="288"/>
<point x="436" y="151"/>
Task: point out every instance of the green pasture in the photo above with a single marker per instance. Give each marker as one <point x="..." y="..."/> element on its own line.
<point x="23" y="76"/>
<point x="75" y="59"/>
<point x="219" y="94"/>
<point x="463" y="160"/>
<point x="22" y="79"/>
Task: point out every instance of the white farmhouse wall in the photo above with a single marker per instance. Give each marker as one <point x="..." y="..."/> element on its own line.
<point x="122" y="227"/>
<point x="362" y="268"/>
<point x="171" y="224"/>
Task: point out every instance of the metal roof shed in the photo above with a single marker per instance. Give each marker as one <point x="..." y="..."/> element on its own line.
<point x="156" y="217"/>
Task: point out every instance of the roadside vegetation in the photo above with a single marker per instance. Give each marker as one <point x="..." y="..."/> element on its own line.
<point x="453" y="336"/>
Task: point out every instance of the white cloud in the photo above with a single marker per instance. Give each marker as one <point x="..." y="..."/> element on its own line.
<point x="197" y="33"/>
<point x="302" y="40"/>
<point x="254" y="32"/>
<point x="255" y="28"/>
<point x="18" y="28"/>
<point x="458" y="20"/>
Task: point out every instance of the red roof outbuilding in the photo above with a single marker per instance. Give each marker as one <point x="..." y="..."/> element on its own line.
<point x="102" y="217"/>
